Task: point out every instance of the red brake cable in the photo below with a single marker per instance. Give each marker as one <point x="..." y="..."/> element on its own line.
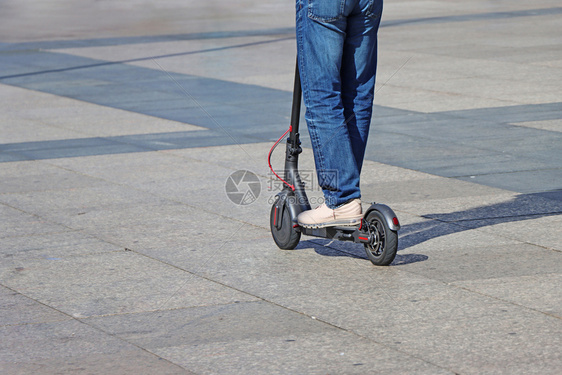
<point x="269" y="158"/>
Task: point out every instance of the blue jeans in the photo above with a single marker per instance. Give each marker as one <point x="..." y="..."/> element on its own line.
<point x="337" y="58"/>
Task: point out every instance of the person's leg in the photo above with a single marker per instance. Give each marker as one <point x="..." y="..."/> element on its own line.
<point x="321" y="34"/>
<point x="358" y="71"/>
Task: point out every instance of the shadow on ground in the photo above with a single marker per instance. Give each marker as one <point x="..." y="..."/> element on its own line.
<point x="522" y="207"/>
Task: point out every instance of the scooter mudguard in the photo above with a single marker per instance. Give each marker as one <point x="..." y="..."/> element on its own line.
<point x="286" y="198"/>
<point x="279" y="206"/>
<point x="389" y="215"/>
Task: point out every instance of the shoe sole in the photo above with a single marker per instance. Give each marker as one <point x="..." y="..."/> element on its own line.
<point x="336" y="223"/>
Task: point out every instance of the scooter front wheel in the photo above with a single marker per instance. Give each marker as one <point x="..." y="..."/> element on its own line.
<point x="284" y="235"/>
<point x="381" y="250"/>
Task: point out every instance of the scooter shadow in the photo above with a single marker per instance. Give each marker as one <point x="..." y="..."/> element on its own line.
<point x="520" y="208"/>
<point x="333" y="248"/>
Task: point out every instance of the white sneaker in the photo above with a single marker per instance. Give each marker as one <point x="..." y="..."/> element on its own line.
<point x="322" y="216"/>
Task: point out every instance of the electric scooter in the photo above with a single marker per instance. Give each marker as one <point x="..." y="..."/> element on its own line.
<point x="377" y="231"/>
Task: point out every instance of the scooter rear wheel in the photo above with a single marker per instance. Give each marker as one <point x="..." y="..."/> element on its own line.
<point x="286" y="237"/>
<point x="381" y="251"/>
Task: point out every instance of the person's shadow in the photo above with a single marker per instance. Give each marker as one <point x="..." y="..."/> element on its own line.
<point x="522" y="207"/>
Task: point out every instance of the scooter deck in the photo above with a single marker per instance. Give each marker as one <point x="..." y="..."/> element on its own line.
<point x="353" y="233"/>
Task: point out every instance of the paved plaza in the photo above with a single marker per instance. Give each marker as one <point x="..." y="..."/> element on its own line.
<point x="122" y="251"/>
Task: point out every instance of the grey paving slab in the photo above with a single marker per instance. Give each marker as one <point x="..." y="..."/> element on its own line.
<point x="261" y="331"/>
<point x="126" y="144"/>
<point x="145" y="39"/>
<point x="428" y="101"/>
<point x="28" y="130"/>
<point x="18" y="99"/>
<point x="542" y="230"/>
<point x="67" y="347"/>
<point x="53" y="246"/>
<point x="515" y="342"/>
<point x="70" y="148"/>
<point x="132" y="170"/>
<point x="56" y="339"/>
<point x="527" y="181"/>
<point x="544" y="296"/>
<point x="201" y="325"/>
<point x="405" y="301"/>
<point x="530" y="219"/>
<point x="552" y="125"/>
<point x="51" y="117"/>
<point x="256" y="213"/>
<point x="458" y="128"/>
<point x="503" y="206"/>
<point x="513" y="113"/>
<point x="476" y="148"/>
<point x="125" y="25"/>
<point x="130" y="218"/>
<point x="311" y="354"/>
<point x="32" y="176"/>
<point x="479" y="263"/>
<point x="181" y="179"/>
<point x="431" y="156"/>
<point x="115" y="283"/>
<point x="14" y="222"/>
<point x="71" y="205"/>
<point x="494" y="88"/>
<point x="176" y="230"/>
<point x="15" y="67"/>
<point x="120" y="363"/>
<point x="423" y="190"/>
<point x="17" y="309"/>
<point x="244" y="156"/>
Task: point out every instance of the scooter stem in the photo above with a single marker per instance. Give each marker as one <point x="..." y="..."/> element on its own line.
<point x="294" y="149"/>
<point x="296" y="108"/>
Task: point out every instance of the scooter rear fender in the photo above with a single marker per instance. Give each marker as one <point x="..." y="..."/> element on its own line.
<point x="389" y="215"/>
